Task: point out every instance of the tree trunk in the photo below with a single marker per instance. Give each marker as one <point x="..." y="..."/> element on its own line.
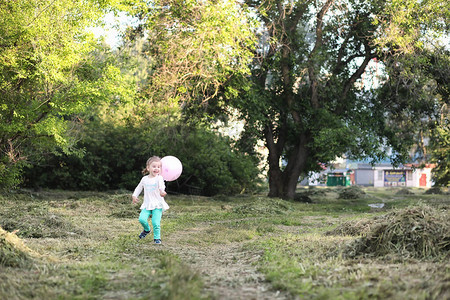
<point x="276" y="186"/>
<point x="275" y="174"/>
<point x="283" y="184"/>
<point x="295" y="167"/>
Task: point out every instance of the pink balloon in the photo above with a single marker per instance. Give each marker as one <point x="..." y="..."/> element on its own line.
<point x="171" y="168"/>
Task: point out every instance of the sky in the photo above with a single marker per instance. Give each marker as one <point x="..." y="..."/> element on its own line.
<point x="113" y="26"/>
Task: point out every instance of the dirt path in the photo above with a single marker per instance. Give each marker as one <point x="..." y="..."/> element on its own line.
<point x="228" y="270"/>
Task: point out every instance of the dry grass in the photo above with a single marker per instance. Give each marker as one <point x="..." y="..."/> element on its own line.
<point x="415" y="232"/>
<point x="13" y="252"/>
<point x="352" y="192"/>
<point x="262" y="205"/>
<point x="88" y="247"/>
<point x="353" y="227"/>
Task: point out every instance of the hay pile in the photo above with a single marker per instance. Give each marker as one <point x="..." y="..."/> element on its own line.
<point x="353" y="227"/>
<point x="263" y="206"/>
<point x="404" y="191"/>
<point x="434" y="191"/>
<point x="352" y="192"/>
<point x="414" y="232"/>
<point x="302" y="197"/>
<point x="13" y="252"/>
<point x="40" y="221"/>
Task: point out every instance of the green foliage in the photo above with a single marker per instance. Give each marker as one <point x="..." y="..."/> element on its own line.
<point x="194" y="48"/>
<point x="440" y="155"/>
<point x="101" y="166"/>
<point x="415" y="101"/>
<point x="10" y="173"/>
<point x="44" y="83"/>
<point x="408" y="25"/>
<point x="347" y="78"/>
<point x="210" y="165"/>
<point x="114" y="156"/>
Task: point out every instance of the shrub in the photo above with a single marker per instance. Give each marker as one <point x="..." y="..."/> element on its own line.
<point x="115" y="155"/>
<point x="210" y="165"/>
<point x="10" y="173"/>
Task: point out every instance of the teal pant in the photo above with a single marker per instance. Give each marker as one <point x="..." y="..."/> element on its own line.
<point x="156" y="221"/>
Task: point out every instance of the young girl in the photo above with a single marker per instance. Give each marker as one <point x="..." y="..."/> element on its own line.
<point x="154" y="204"/>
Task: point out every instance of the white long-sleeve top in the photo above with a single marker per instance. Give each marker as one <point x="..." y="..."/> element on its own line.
<point x="151" y="187"/>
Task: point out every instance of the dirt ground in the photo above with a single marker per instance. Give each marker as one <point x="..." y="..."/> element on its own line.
<point x="228" y="270"/>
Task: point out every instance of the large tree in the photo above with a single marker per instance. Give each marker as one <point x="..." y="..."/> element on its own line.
<point x="192" y="49"/>
<point x="47" y="77"/>
<point x="309" y="100"/>
<point x="327" y="77"/>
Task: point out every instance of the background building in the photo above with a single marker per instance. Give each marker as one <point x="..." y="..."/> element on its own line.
<point x="377" y="175"/>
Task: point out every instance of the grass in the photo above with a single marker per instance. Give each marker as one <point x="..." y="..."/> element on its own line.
<point x="83" y="245"/>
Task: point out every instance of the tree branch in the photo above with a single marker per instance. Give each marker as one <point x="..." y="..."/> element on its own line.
<point x="298" y="14"/>
<point x="357" y="74"/>
<point x="317" y="45"/>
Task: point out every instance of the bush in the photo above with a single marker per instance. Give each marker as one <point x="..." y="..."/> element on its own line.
<point x="210" y="165"/>
<point x="10" y="173"/>
<point x="115" y="155"/>
<point x="110" y="156"/>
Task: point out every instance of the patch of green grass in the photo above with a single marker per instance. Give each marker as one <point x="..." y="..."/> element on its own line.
<point x="295" y="263"/>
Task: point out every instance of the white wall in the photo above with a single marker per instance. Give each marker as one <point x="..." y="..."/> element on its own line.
<point x="378" y="177"/>
<point x="416" y="176"/>
<point x="412" y="177"/>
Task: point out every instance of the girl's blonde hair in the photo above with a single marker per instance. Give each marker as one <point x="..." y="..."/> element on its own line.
<point x="149" y="162"/>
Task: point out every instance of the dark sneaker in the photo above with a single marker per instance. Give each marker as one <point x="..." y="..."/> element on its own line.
<point x="157" y="241"/>
<point x="143" y="234"/>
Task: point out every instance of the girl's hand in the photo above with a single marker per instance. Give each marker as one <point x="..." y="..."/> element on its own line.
<point x="135" y="199"/>
<point x="162" y="193"/>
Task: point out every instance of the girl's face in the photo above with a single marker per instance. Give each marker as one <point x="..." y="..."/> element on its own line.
<point x="154" y="168"/>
